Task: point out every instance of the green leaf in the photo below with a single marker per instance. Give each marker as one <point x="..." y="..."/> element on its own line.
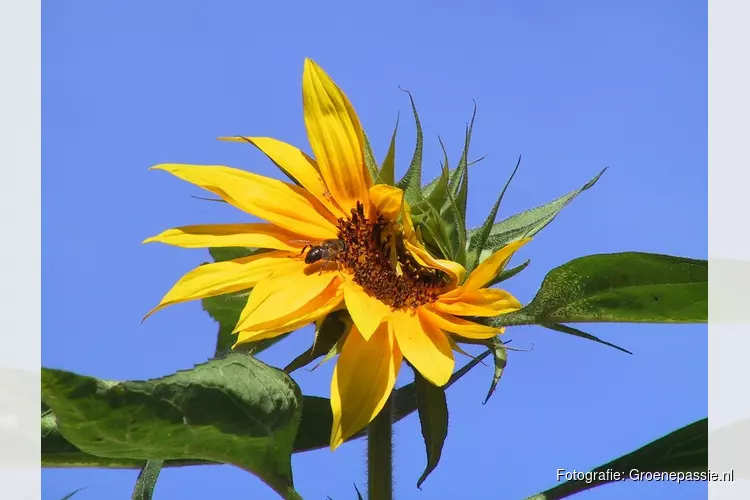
<point x="578" y="333"/>
<point x="226" y="309"/>
<point x="233" y="410"/>
<point x="524" y="224"/>
<point x="500" y="355"/>
<point x="146" y="482"/>
<point x="433" y="417"/>
<point x="327" y="335"/>
<point x="370" y="162"/>
<point x="411" y="182"/>
<point x="313" y="432"/>
<point x="507" y="274"/>
<point x="629" y="287"/>
<point x="479" y="240"/>
<point x="72" y="494"/>
<point x="387" y="174"/>
<point x="682" y="451"/>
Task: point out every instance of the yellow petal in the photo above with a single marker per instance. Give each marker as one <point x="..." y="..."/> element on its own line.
<point x="464" y="309"/>
<point x="387" y="200"/>
<point x="454" y="270"/>
<point x="366" y="311"/>
<point x="230" y="235"/>
<point x="453" y="324"/>
<point x="275" y="299"/>
<point x="296" y="164"/>
<point x="328" y="300"/>
<point x="287" y="206"/>
<point x="336" y="137"/>
<point x="490" y="267"/>
<point x="424" y="345"/>
<point x="484" y="302"/>
<point x="225" y="277"/>
<point x="363" y="379"/>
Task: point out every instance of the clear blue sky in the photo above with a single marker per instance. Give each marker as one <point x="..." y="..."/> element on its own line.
<point x="573" y="86"/>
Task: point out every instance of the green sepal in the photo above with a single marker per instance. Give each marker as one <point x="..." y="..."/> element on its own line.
<point x="500" y="357"/>
<point x="328" y="335"/>
<point x="370" y="162"/>
<point x="459" y="182"/>
<point x="433" y="418"/>
<point x="524" y="224"/>
<point x="479" y="240"/>
<point x="387" y="174"/>
<point x="507" y="274"/>
<point x="411" y="182"/>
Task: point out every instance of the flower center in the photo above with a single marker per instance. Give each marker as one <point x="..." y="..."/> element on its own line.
<point x="377" y="257"/>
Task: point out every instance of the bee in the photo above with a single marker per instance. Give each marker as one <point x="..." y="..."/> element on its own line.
<point x="327" y="250"/>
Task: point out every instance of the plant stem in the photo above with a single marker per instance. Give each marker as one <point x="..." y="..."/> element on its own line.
<point x="380" y="454"/>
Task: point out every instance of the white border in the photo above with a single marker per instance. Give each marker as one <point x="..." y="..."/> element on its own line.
<point x="729" y="246"/>
<point x="20" y="249"/>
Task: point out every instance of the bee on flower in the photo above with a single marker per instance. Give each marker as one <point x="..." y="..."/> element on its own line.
<point x="337" y="240"/>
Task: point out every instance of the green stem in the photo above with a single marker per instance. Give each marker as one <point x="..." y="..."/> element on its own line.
<point x="380" y="454"/>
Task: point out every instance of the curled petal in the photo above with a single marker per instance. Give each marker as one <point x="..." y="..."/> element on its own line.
<point x="453" y="269"/>
<point x="460" y="326"/>
<point x="387" y="200"/>
<point x="489" y="268"/>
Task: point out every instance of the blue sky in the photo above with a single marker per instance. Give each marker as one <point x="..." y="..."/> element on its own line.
<point x="573" y="86"/>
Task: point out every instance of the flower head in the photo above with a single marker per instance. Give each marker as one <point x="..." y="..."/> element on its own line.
<point x="335" y="240"/>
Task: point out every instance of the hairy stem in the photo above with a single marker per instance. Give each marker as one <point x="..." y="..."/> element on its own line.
<point x="380" y="454"/>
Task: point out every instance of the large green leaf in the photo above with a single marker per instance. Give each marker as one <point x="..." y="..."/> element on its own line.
<point x="313" y="432"/>
<point x="682" y="453"/>
<point x="630" y="287"/>
<point x="233" y="410"/>
<point x="433" y="418"/>
<point x="522" y="225"/>
<point x="225" y="309"/>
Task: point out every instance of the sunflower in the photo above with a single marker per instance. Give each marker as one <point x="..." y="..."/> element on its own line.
<point x="336" y="240"/>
